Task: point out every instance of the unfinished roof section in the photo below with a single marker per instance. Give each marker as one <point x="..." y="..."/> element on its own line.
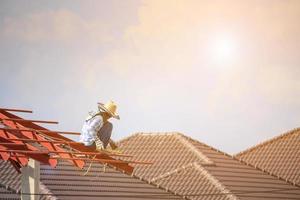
<point x="68" y="182"/>
<point x="279" y="156"/>
<point x="107" y="177"/>
<point x="21" y="139"/>
<point x="198" y="171"/>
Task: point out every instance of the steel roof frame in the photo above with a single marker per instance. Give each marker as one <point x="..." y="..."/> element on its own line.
<point x="20" y="138"/>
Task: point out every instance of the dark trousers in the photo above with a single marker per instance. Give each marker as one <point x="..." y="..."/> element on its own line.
<point x="104" y="135"/>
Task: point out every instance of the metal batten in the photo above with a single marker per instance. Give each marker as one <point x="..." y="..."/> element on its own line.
<point x="34" y="140"/>
<point x="28" y="120"/>
<point x="23" y="151"/>
<point x="74" y="158"/>
<point x="67" y="143"/>
<point x="61" y="132"/>
<point x="40" y="131"/>
<point x="16" y="110"/>
<point x="60" y="152"/>
<point x="10" y="144"/>
<point x="107" y="160"/>
<point x="23" y="124"/>
<point x="21" y="131"/>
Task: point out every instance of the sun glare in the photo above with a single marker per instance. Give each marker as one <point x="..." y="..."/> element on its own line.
<point x="223" y="50"/>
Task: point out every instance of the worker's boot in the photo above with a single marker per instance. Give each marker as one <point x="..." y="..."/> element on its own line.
<point x="112" y="144"/>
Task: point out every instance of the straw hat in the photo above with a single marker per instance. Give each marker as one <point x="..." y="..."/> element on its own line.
<point x="110" y="107"/>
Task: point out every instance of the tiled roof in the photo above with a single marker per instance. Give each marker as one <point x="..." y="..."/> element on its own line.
<point x="198" y="171"/>
<point x="7" y="194"/>
<point x="101" y="182"/>
<point x="11" y="181"/>
<point x="279" y="156"/>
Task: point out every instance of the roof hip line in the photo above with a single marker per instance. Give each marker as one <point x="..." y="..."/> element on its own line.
<point x="193" y="148"/>
<point x="215" y="181"/>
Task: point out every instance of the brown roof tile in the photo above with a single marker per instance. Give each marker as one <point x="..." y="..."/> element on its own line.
<point x="101" y="182"/>
<point x="179" y="180"/>
<point x="10" y="179"/>
<point x="279" y="156"/>
<point x="198" y="171"/>
<point x="8" y="195"/>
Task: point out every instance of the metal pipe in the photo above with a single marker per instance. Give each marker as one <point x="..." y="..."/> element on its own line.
<point x="95" y="159"/>
<point x="61" y="132"/>
<point x="90" y="159"/>
<point x="16" y="110"/>
<point x="64" y="152"/>
<point x="105" y="160"/>
<point x="29" y="120"/>
<point x="11" y="144"/>
<point x="77" y="158"/>
<point x="33" y="140"/>
<point x="23" y="151"/>
<point x="42" y="131"/>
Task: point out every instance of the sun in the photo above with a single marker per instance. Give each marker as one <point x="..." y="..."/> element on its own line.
<point x="223" y="49"/>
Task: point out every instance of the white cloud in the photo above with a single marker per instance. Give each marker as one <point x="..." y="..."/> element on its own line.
<point x="174" y="38"/>
<point x="162" y="72"/>
<point x="280" y="84"/>
<point x="59" y="25"/>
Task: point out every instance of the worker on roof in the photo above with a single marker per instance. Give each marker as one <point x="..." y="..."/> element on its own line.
<point x="97" y="125"/>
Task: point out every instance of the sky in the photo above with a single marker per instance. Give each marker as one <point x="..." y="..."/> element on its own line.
<point x="223" y="72"/>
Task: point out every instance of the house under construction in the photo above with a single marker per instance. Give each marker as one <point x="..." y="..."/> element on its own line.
<point x="37" y="163"/>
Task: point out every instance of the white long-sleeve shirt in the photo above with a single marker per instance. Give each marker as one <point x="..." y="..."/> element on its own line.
<point x="90" y="129"/>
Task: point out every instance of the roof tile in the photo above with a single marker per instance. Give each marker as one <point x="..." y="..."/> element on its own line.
<point x="279" y="156"/>
<point x="101" y="182"/>
<point x="198" y="171"/>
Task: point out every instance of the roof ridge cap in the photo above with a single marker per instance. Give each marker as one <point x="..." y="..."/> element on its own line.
<point x="268" y="141"/>
<point x="128" y="137"/>
<point x="147" y="134"/>
<point x="208" y="146"/>
<point x="184" y="140"/>
<point x="179" y="169"/>
<point x="170" y="173"/>
<point x="159" y="133"/>
<point x="215" y="181"/>
<point x="46" y="191"/>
